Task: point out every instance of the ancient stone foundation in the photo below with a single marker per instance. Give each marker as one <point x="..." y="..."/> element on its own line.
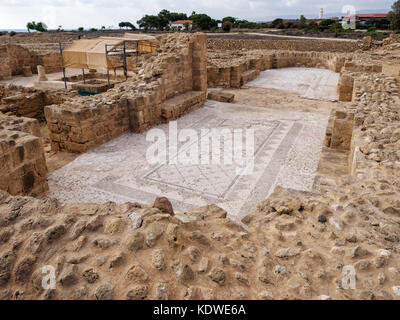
<point x="180" y="86"/>
<point x="235" y="74"/>
<point x="22" y="161"/>
<point x="345" y="87"/>
<point x="27" y="102"/>
<point x="17" y="59"/>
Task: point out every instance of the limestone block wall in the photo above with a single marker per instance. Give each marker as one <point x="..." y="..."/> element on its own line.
<point x="309" y="60"/>
<point x="145" y="110"/>
<point x="22" y="161"/>
<point x="29" y="105"/>
<point x="19" y="57"/>
<point x="51" y="62"/>
<point x="5" y="70"/>
<point x="218" y="77"/>
<point x="340" y="131"/>
<point x="13" y="123"/>
<point x="199" y="67"/>
<point x="237" y="75"/>
<point x="177" y="74"/>
<point x="27" y="102"/>
<point x="353" y="66"/>
<point x="180" y="75"/>
<point x="78" y="127"/>
<point x="345" y="87"/>
<point x="15" y="57"/>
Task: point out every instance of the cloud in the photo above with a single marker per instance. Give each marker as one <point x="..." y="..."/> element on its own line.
<point x="95" y="13"/>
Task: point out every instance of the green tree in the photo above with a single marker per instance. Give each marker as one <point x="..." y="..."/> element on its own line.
<point x="203" y="21"/>
<point x="186" y="25"/>
<point x="326" y="23"/>
<point x="166" y="17"/>
<point x="39" y="26"/>
<point x="30" y="26"/>
<point x="149" y="22"/>
<point x="81" y="28"/>
<point x="303" y="21"/>
<point x="277" y="22"/>
<point x="127" y="25"/>
<point x="231" y="19"/>
<point x="394" y="16"/>
<point x="175" y="16"/>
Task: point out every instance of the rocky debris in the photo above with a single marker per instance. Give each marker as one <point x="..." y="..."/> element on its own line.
<point x="54" y="233"/>
<point x="185" y="273"/>
<point x="7" y="260"/>
<point x="158" y="259"/>
<point x="218" y="276"/>
<point x="135" y="241"/>
<point x="164" y="205"/>
<point x="104" y="292"/>
<point x="90" y="275"/>
<point x="69" y="275"/>
<point x="138" y="292"/>
<point x="287" y="253"/>
<point x="136" y="220"/>
<point x="24" y="269"/>
<point x="154" y="232"/>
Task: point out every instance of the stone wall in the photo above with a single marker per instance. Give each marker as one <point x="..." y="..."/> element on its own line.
<point x="5" y="70"/>
<point x="237" y="73"/>
<point x="342" y="131"/>
<point x="345" y="87"/>
<point x="135" y="105"/>
<point x="20" y="57"/>
<point x="15" y="57"/>
<point x="78" y="129"/>
<point x="22" y="161"/>
<point x="27" y="102"/>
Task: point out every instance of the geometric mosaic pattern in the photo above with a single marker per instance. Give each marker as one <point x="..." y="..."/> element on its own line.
<point x="287" y="149"/>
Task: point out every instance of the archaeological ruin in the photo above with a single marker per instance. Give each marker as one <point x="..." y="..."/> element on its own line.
<point x="78" y="193"/>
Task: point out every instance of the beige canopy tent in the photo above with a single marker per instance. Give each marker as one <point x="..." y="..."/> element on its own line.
<point x="95" y="53"/>
<point x="88" y="54"/>
<point x="92" y="53"/>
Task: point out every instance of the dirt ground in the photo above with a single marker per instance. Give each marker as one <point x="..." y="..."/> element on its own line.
<point x="279" y="100"/>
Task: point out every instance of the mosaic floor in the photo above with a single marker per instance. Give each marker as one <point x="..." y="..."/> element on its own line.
<point x="309" y="83"/>
<point x="287" y="148"/>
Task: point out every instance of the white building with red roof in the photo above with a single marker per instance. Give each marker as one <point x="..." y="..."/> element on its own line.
<point x="180" y="24"/>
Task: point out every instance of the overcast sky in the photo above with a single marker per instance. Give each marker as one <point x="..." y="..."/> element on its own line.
<point x="14" y="14"/>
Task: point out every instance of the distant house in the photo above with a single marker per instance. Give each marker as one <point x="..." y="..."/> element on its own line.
<point x="180" y="24"/>
<point x="363" y="18"/>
